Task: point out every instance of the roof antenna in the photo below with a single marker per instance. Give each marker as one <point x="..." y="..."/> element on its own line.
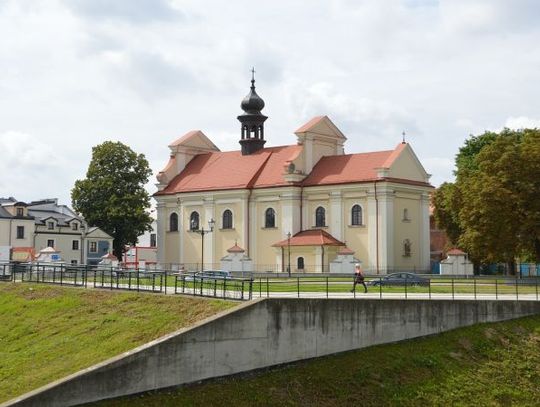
<point x="253" y="76"/>
<point x="403" y="137"/>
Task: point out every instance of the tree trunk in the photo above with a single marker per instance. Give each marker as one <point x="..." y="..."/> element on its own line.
<point x="118" y="251"/>
<point x="537" y="250"/>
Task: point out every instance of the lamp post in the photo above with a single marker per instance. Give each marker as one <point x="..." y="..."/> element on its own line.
<point x="202" y="232"/>
<point x="289" y="253"/>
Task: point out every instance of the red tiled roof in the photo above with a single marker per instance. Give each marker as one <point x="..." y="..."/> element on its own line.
<point x="341" y="169"/>
<point x="455" y="252"/>
<point x="313" y="237"/>
<point x="236" y="249"/>
<point x="345" y="251"/>
<point x="232" y="170"/>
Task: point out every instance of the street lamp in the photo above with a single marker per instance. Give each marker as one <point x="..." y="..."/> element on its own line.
<point x="289" y="253"/>
<point x="202" y="232"/>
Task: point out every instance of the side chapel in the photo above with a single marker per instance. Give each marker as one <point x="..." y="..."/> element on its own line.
<point x="298" y="205"/>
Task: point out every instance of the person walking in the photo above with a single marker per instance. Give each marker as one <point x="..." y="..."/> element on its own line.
<point x="359" y="277"/>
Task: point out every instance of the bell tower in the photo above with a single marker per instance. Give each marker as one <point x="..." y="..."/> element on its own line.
<point x="252" y="121"/>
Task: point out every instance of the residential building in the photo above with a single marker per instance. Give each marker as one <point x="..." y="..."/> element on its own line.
<point x="303" y="201"/>
<point x="60" y="227"/>
<point x="16" y="229"/>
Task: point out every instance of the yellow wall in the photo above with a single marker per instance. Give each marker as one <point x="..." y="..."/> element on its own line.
<point x="356" y="237"/>
<point x="406" y="167"/>
<point x="407" y="230"/>
<point x="266" y="237"/>
<point x="224" y="239"/>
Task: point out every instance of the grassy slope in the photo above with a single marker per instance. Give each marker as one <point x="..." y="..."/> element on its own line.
<point x="47" y="332"/>
<point x="484" y="365"/>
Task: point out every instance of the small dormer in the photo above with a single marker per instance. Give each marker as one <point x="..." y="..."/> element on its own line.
<point x="320" y="137"/>
<point x="74" y="224"/>
<point x="183" y="150"/>
<point x="20" y="210"/>
<point x="50" y="223"/>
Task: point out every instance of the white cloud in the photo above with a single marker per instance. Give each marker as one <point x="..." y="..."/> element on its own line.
<point x="76" y="73"/>
<point x="522" y="122"/>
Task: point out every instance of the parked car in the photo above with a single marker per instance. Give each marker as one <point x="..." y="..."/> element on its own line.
<point x="400" y="279"/>
<point x="217" y="274"/>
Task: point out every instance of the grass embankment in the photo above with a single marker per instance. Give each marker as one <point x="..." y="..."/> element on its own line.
<point x="48" y="332"/>
<point x="482" y="365"/>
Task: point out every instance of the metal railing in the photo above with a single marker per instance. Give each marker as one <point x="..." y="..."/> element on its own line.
<point x="157" y="281"/>
<point x="226" y="288"/>
<point x="245" y="288"/>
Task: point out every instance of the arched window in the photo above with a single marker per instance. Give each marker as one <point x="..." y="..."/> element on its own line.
<point x="406" y="214"/>
<point x="320" y="217"/>
<point x="194" y="221"/>
<point x="356" y="215"/>
<point x="227" y="219"/>
<point x="300" y="263"/>
<point x="270" y="218"/>
<point x="173" y="222"/>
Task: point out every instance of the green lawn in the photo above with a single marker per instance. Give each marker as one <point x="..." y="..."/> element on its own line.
<point x="48" y="332"/>
<point x="483" y="365"/>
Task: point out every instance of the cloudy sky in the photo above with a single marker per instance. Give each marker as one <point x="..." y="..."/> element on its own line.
<point x="74" y="73"/>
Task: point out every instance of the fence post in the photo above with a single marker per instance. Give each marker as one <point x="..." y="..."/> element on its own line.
<point x="224" y="288"/>
<point x="536" y="279"/>
<point x="517" y="294"/>
<point x="474" y="283"/>
<point x="61" y="275"/>
<point x="138" y="280"/>
<point x="452" y="287"/>
<point x="380" y="288"/>
<point x="298" y="286"/>
<point x="496" y="288"/>
<point x="429" y="288"/>
<point x="260" y="287"/>
<point x="405" y="288"/>
<point x="326" y="286"/>
<point x="267" y="288"/>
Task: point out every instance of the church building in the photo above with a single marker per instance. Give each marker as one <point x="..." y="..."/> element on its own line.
<point x="292" y="208"/>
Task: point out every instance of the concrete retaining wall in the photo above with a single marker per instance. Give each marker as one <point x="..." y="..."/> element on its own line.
<point x="265" y="333"/>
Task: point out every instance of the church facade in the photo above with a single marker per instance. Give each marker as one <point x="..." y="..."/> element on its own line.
<point x="295" y="207"/>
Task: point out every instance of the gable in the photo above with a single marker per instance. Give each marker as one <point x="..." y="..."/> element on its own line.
<point x="405" y="165"/>
<point x="97" y="233"/>
<point x="195" y="140"/>
<point x="321" y="126"/>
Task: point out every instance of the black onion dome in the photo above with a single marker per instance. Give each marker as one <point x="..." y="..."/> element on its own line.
<point x="252" y="103"/>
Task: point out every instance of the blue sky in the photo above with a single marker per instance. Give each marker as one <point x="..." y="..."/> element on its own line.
<point x="78" y="72"/>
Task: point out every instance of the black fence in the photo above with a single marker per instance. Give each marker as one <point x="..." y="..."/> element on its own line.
<point x="226" y="288"/>
<point x="156" y="281"/>
<point x="245" y="288"/>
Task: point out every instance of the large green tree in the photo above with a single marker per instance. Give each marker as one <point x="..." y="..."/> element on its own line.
<point x="493" y="210"/>
<point x="113" y="195"/>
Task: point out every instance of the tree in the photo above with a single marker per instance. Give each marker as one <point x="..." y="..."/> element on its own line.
<point x="113" y="196"/>
<point x="445" y="202"/>
<point x="492" y="210"/>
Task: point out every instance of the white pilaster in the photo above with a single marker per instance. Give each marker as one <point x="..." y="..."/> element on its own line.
<point x="181" y="232"/>
<point x="336" y="214"/>
<point x="254" y="223"/>
<point x="210" y="237"/>
<point x="318" y="259"/>
<point x="424" y="243"/>
<point x="372" y="226"/>
<point x="386" y="230"/>
<point x="290" y="212"/>
<point x="160" y="231"/>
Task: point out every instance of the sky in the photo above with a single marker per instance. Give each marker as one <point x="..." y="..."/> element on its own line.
<point x="75" y="73"/>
